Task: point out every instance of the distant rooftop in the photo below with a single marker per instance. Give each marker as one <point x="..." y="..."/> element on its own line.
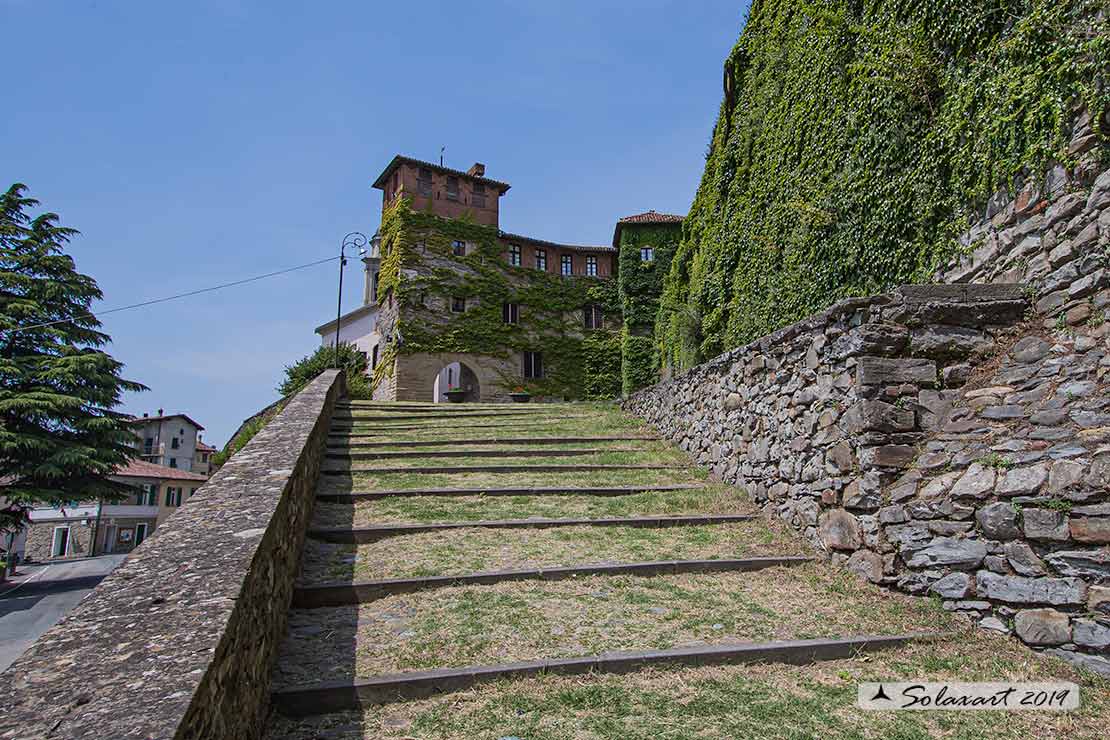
<point x="647" y="217"/>
<point x="401" y="159"/>
<point x="144" y="469"/>
<point x="161" y="417"/>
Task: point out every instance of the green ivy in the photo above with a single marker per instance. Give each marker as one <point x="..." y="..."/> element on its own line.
<point x="640" y="284"/>
<point x="855" y="140"/>
<point x="420" y="271"/>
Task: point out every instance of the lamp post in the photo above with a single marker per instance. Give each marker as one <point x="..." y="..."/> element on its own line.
<point x="354" y="240"/>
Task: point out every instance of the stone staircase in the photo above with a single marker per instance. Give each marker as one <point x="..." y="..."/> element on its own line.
<point x="454" y="546"/>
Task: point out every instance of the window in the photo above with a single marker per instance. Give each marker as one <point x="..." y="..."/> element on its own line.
<point x="424" y="181"/>
<point x="140" y="533"/>
<point x="533" y="365"/>
<point x="647" y="254"/>
<point x="175" y="443"/>
<point x="510" y="313"/>
<point x="478" y="197"/>
<point x="568" y="265"/>
<point x="452" y="187"/>
<point x="541" y="259"/>
<point x="173" y="496"/>
<point x="591" y="266"/>
<point x="373" y="358"/>
<point x="514" y="255"/>
<point x="592" y="317"/>
<point x="458" y="304"/>
<point x="458" y="248"/>
<point x="148" y="445"/>
<point x="173" y="462"/>
<point x="148" y="496"/>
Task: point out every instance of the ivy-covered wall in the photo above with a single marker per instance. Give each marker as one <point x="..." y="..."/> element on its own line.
<point x="420" y="275"/>
<point x="640" y="284"/>
<point x="856" y="139"/>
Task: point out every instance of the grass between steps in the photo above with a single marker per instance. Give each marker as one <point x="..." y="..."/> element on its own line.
<point x="601" y="457"/>
<point x="770" y="701"/>
<point x="715" y="499"/>
<point x="468" y="550"/>
<point x="568" y="479"/>
<point x="510" y="622"/>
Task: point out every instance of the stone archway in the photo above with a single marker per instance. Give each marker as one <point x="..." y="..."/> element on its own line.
<point x="456" y="375"/>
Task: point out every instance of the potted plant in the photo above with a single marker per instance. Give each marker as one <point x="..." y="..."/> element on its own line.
<point x="520" y="394"/>
<point x="455" y="394"/>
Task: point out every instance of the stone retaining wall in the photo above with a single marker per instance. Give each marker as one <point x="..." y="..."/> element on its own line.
<point x="942" y="439"/>
<point x="179" y="641"/>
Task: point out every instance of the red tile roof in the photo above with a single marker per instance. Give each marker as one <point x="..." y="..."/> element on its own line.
<point x="647" y="217"/>
<point x="543" y="242"/>
<point x="204" y="447"/>
<point x="143" y="469"/>
<point x="400" y="159"/>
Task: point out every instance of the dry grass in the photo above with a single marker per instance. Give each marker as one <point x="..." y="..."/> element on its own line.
<point x="454" y="552"/>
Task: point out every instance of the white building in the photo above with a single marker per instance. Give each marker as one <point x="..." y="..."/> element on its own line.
<point x="360" y="327"/>
<point x="169" y="440"/>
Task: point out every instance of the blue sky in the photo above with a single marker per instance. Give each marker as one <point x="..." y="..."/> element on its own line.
<point x="197" y="143"/>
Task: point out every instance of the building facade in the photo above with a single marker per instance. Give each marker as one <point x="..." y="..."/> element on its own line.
<point x="169" y="440"/>
<point x="451" y="302"/>
<point x="95" y="528"/>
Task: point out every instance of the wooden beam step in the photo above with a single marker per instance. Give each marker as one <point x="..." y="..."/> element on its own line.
<point x="518" y="452"/>
<point x="338" y="696"/>
<point x="361" y="592"/>
<point x="355" y="535"/>
<point x="497" y="469"/>
<point x="350" y="497"/>
<point x="474" y="442"/>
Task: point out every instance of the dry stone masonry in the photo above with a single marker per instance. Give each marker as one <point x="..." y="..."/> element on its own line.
<point x="951" y="440"/>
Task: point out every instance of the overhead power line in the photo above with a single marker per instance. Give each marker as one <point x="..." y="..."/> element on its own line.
<point x="176" y="297"/>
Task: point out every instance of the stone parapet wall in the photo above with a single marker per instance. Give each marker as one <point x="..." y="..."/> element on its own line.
<point x="179" y="641"/>
<point x="951" y="440"/>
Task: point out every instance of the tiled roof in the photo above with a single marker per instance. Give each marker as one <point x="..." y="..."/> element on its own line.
<point x="401" y="159"/>
<point x="143" y="469"/>
<point x="647" y="217"/>
<point x="145" y="419"/>
<point x="532" y="240"/>
<point x="205" y="447"/>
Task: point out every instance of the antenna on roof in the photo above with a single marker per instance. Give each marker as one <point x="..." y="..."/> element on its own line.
<point x="442" y="149"/>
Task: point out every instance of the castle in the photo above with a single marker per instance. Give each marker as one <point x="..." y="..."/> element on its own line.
<point x="451" y="303"/>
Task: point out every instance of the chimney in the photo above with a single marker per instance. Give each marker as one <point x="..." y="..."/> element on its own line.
<point x="477" y="170"/>
<point x="160" y="411"/>
<point x="146" y="415"/>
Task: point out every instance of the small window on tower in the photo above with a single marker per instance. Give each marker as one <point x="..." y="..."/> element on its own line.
<point x="478" y="197"/>
<point x="514" y="255"/>
<point x="510" y="313"/>
<point x="533" y="364"/>
<point x="567" y="265"/>
<point x="424" y="181"/>
<point x="458" y="248"/>
<point x="541" y="260"/>
<point x="647" y="254"/>
<point x="592" y="317"/>
<point x="591" y="266"/>
<point x="458" y="304"/>
<point x="452" y="187"/>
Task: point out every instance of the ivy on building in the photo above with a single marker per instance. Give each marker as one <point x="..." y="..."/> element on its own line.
<point x="640" y="283"/>
<point x="420" y="271"/>
<point x="854" y="142"/>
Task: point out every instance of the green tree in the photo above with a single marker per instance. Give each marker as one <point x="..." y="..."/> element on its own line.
<point x="60" y="438"/>
<point x="302" y="372"/>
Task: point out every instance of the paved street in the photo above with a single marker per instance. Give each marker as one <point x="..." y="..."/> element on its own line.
<point x="42" y="596"/>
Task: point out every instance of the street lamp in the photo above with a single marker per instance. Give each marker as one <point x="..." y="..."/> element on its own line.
<point x="354" y="240"/>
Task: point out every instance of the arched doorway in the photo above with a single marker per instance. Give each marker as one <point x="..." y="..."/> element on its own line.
<point x="456" y="376"/>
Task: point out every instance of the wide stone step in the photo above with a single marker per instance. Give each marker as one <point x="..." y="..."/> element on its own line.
<point x="338" y="594"/>
<point x="500" y="441"/>
<point x="339" y="415"/>
<point x="454" y="427"/>
<point x="337" y="696"/>
<point x="516" y="452"/>
<point x="348" y="497"/>
<point x="349" y="535"/>
<point x="497" y="469"/>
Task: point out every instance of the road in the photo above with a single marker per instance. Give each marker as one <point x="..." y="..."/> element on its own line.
<point x="42" y="596"/>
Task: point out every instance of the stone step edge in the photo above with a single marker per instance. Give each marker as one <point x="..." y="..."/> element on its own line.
<point x="483" y="423"/>
<point x="497" y="469"/>
<point x="337" y="696"/>
<point x="515" y="452"/>
<point x="474" y="442"/>
<point x="356" y="535"/>
<point x="362" y="592"/>
<point x="454" y="415"/>
<point x="353" y="496"/>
